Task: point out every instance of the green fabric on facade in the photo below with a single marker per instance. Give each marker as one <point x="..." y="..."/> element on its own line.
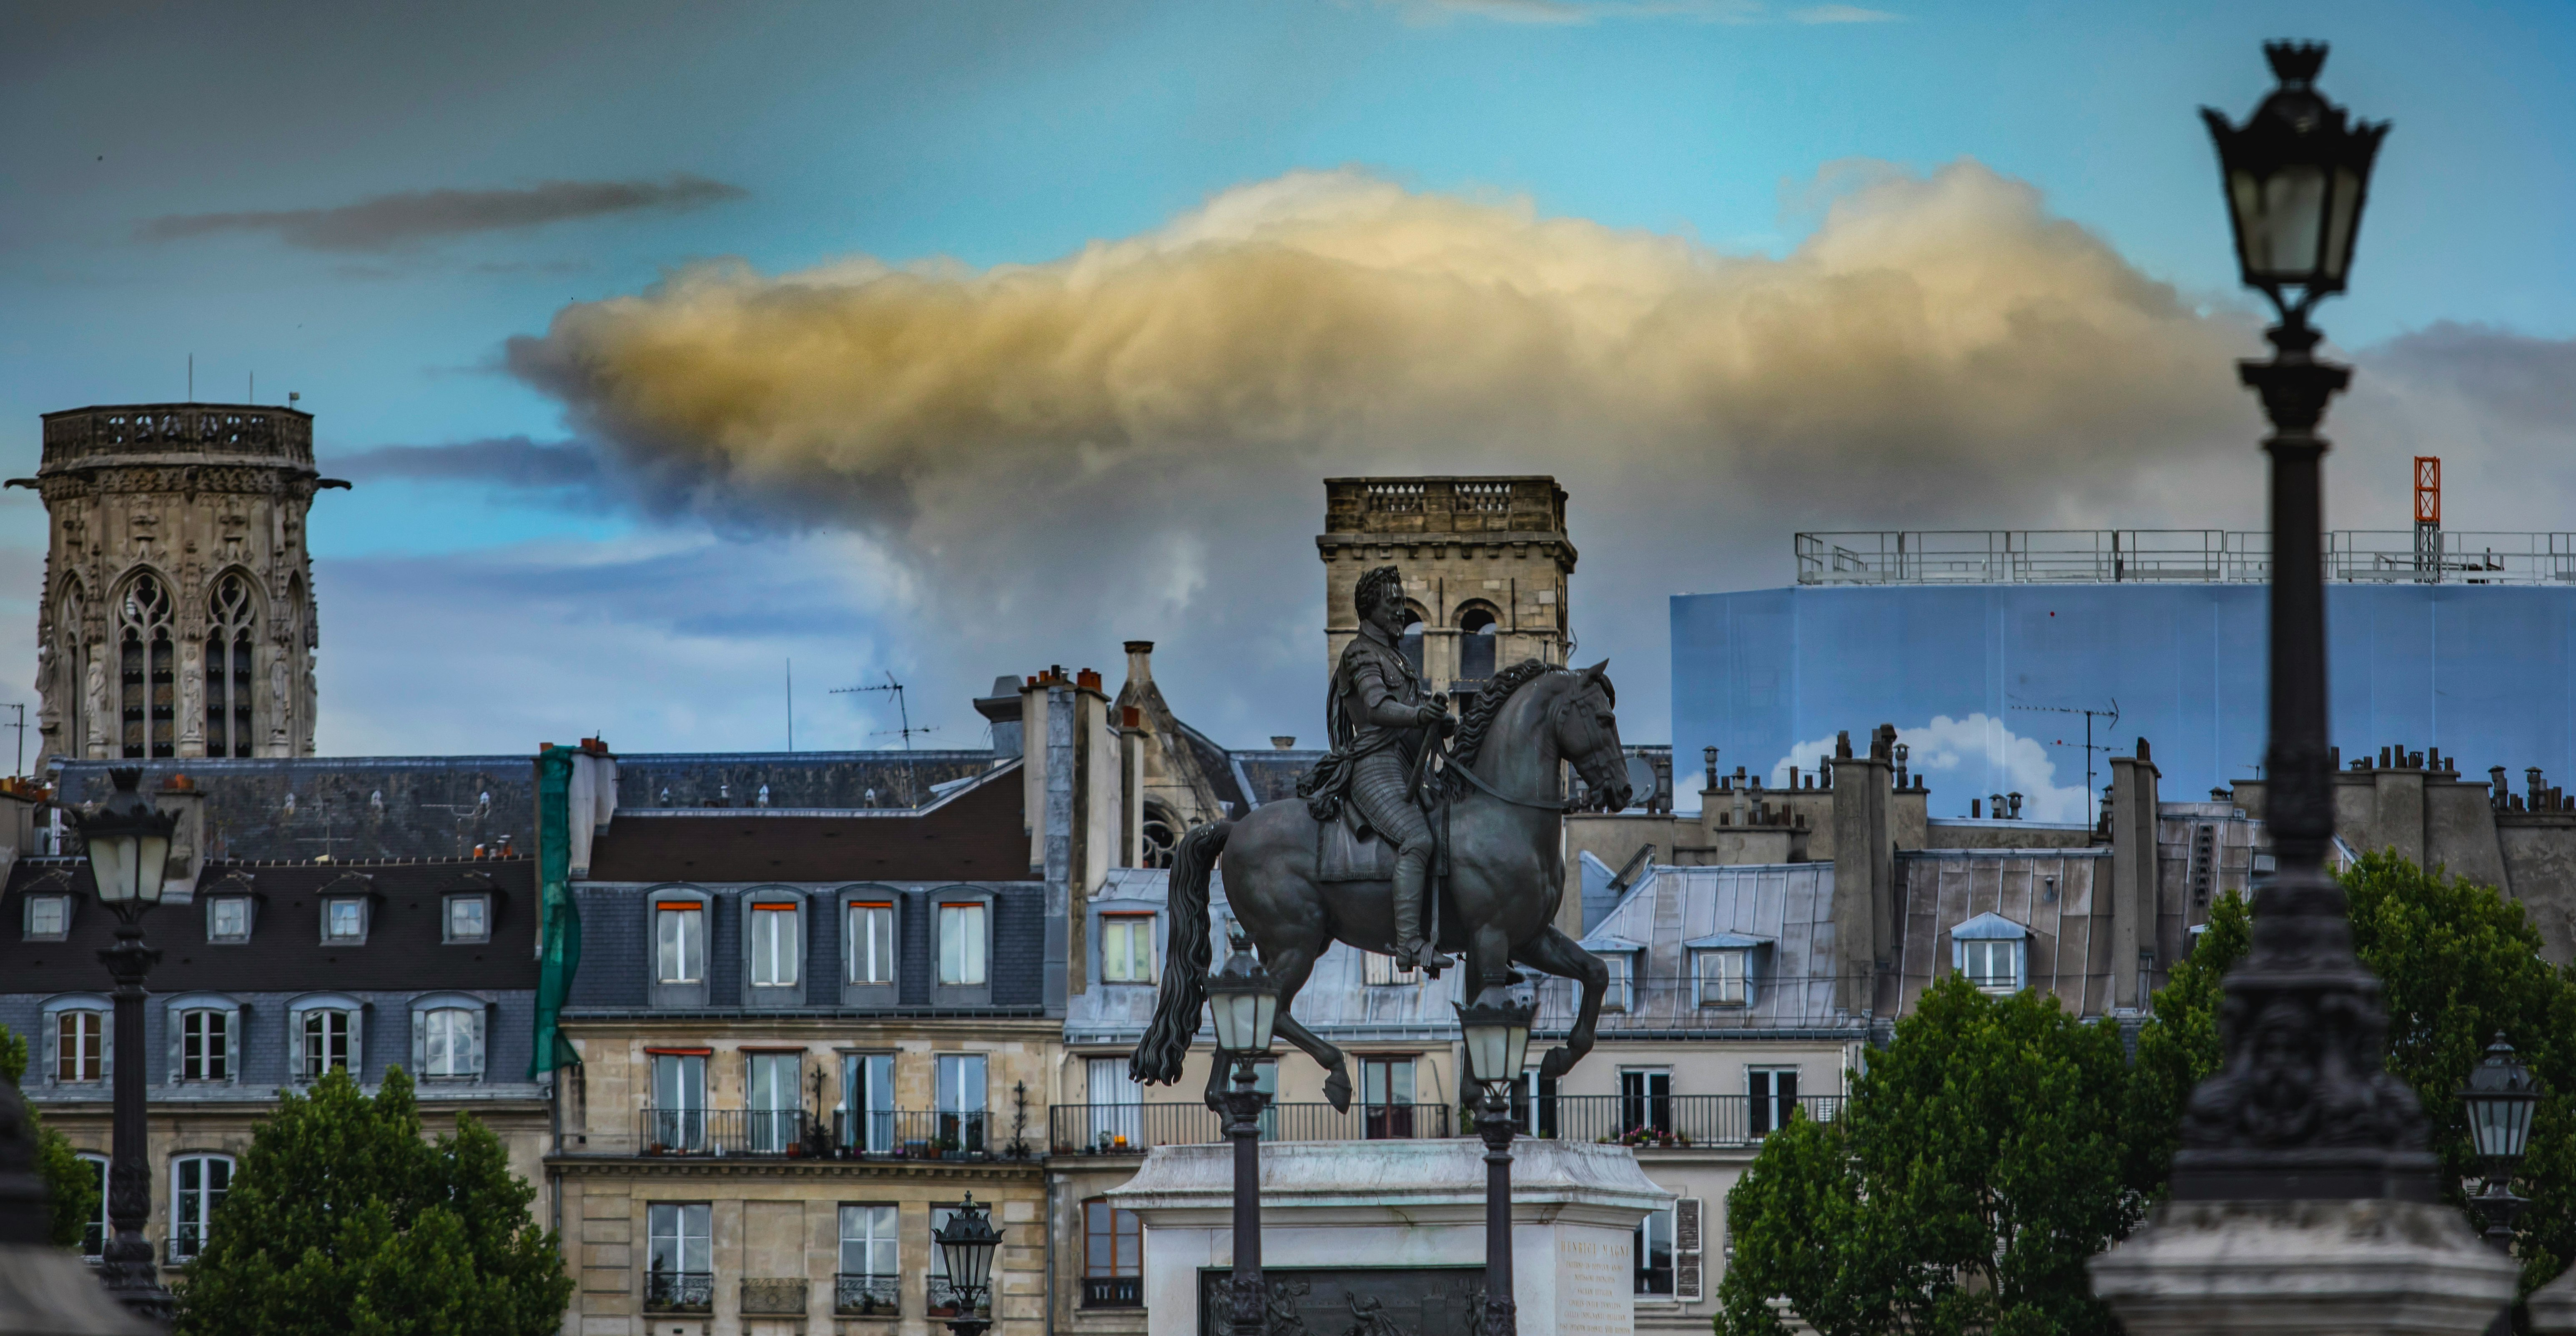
<point x="559" y="949"/>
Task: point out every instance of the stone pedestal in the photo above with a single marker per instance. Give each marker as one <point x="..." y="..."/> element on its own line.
<point x="1401" y="1222"/>
<point x="2304" y="1268"/>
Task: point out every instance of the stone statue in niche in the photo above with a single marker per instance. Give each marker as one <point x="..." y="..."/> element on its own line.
<point x="48" y="714"/>
<point x="277" y="695"/>
<point x="192" y="693"/>
<point x="312" y="696"/>
<point x="97" y="696"/>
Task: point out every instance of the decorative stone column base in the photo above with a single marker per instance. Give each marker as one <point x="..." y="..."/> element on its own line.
<point x="2304" y="1268"/>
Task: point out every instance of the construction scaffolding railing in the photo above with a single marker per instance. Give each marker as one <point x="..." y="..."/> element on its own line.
<point x="2194" y="556"/>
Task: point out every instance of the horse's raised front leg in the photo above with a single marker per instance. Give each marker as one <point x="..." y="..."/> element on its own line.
<point x="1552" y="952"/>
<point x="1291" y="969"/>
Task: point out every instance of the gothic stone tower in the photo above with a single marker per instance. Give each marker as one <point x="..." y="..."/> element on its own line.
<point x="178" y="615"/>
<point x="1485" y="564"/>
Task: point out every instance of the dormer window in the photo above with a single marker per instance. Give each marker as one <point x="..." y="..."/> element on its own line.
<point x="1127" y="948"/>
<point x="1721" y="977"/>
<point x="49" y="917"/>
<point x="1991" y="951"/>
<point x="1620" y="955"/>
<point x="469" y="918"/>
<point x="228" y="919"/>
<point x="344" y="921"/>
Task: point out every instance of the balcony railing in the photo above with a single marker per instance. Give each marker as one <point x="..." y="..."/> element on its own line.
<point x="792" y="1133"/>
<point x="183" y="1245"/>
<point x="1120" y="1129"/>
<point x="1667" y="1121"/>
<point x="679" y="1292"/>
<point x="942" y="1298"/>
<point x="1113" y="1291"/>
<point x="863" y="1294"/>
<point x="772" y="1297"/>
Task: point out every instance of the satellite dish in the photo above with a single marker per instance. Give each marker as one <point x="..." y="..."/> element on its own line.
<point x="1641" y="781"/>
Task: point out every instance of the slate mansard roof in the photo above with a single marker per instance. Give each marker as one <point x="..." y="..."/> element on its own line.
<point x="972" y="832"/>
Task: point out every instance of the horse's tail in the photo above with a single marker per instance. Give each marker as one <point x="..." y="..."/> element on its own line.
<point x="1166" y="1045"/>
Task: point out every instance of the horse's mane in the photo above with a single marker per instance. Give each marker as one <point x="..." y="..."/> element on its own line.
<point x="1478" y="720"/>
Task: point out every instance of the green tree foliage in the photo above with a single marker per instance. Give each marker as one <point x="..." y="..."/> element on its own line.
<point x="70" y="1180"/>
<point x="343" y="1218"/>
<point x="1978" y="1166"/>
<point x="2459" y="963"/>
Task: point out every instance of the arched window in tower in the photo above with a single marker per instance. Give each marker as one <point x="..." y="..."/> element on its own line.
<point x="1162" y="833"/>
<point x="148" y="668"/>
<point x="1411" y="641"/>
<point x="1476" y="644"/>
<point x="232" y="624"/>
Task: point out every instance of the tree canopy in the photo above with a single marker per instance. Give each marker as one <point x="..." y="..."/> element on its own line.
<point x="343" y="1218"/>
<point x="70" y="1180"/>
<point x="1998" y="1142"/>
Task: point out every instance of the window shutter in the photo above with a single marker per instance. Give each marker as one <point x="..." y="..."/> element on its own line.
<point x="419" y="1043"/>
<point x="174" y="1023"/>
<point x="357" y="1036"/>
<point x="233" y="1054"/>
<point x="295" y="1043"/>
<point x="476" y="1062"/>
<point x="1686" y="1250"/>
<point x="107" y="1045"/>
<point x="53" y="1042"/>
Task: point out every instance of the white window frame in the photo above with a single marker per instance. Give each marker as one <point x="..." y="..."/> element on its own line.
<point x="871" y="953"/>
<point x="684" y="1232"/>
<point x="1979" y="957"/>
<point x="875" y="1231"/>
<point x="1722" y="977"/>
<point x="354" y="1015"/>
<point x="965" y="939"/>
<point x="1132" y="960"/>
<point x="439" y="1023"/>
<point x="681" y="1118"/>
<point x="192" y="1208"/>
<point x="63" y="905"/>
<point x="215" y="907"/>
<point x="669" y="915"/>
<point x="951" y="1092"/>
<point x="99" y="1223"/>
<point x="217" y="1022"/>
<point x="331" y="914"/>
<point x="482" y="900"/>
<point x="772" y="967"/>
<point x="774" y="1125"/>
<point x="1659" y="1220"/>
<point x="99" y="1012"/>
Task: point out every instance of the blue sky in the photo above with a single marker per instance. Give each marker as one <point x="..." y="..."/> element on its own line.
<point x="466" y="609"/>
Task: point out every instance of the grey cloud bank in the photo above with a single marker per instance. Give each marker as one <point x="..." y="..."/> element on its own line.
<point x="406" y="220"/>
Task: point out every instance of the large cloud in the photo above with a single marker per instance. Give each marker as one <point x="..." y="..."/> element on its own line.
<point x="1129" y="440"/>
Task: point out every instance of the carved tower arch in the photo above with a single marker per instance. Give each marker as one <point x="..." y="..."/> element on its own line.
<point x="191" y="518"/>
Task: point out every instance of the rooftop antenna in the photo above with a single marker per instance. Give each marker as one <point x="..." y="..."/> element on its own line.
<point x="2109" y="717"/>
<point x="192" y="378"/>
<point x="2428" y="518"/>
<point x="21" y="726"/>
<point x="254" y="387"/>
<point x="912" y="788"/>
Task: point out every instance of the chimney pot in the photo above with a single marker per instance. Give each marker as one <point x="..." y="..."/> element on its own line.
<point x="1283" y="742"/>
<point x="2143" y="754"/>
<point x="1975" y="812"/>
<point x="1087" y="679"/>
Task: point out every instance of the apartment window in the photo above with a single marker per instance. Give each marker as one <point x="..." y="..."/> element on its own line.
<point x="943" y="1300"/>
<point x="961" y="945"/>
<point x="1646" y="1099"/>
<point x="1621" y="995"/>
<point x="1992" y="966"/>
<point x="1386" y="1097"/>
<point x="871" y="941"/>
<point x="680" y="941"/>
<point x="80" y="1045"/>
<point x="1654" y="1254"/>
<point x="679" y="1270"/>
<point x="1534" y="1106"/>
<point x="1772" y="1094"/>
<point x="960" y="1101"/>
<point x="344" y="921"/>
<point x="774" y="1094"/>
<point x="1127" y="948"/>
<point x="325" y="1037"/>
<point x="228" y="919"/>
<point x="1113" y="1257"/>
<point x="1380" y="970"/>
<point x="679" y="1115"/>
<point x="867" y="1102"/>
<point x="774" y="950"/>
<point x="94" y="1233"/>
<point x="1722" y="977"/>
<point x="49" y="918"/>
<point x="197" y="1187"/>
<point x="205" y="1045"/>
<point x="869" y="1280"/>
<point x="469" y="918"/>
<point x="1117" y="1104"/>
<point x="447" y="1041"/>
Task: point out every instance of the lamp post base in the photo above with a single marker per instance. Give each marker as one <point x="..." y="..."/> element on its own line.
<point x="2308" y="1268"/>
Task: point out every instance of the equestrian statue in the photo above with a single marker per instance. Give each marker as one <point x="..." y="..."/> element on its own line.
<point x="1402" y="847"/>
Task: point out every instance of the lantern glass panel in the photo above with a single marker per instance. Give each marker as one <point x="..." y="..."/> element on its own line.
<point x="152" y="867"/>
<point x="107" y="865"/>
<point x="2341" y="210"/>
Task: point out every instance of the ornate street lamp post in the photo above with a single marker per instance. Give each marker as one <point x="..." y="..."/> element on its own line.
<point x="1496" y="1030"/>
<point x="128" y="841"/>
<point x="2500" y="1100"/>
<point x="966" y="1245"/>
<point x="1243" y="1004"/>
<point x="2300" y="1108"/>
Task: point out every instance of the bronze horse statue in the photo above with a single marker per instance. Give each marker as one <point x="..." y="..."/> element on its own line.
<point x="1498" y="904"/>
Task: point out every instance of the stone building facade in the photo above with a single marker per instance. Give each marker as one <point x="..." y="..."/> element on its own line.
<point x="177" y="617"/>
<point x="1486" y="563"/>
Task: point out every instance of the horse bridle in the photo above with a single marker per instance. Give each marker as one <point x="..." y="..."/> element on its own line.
<point x="1560" y="806"/>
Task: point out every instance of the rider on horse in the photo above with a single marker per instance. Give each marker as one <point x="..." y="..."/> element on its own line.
<point x="1380" y="717"/>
